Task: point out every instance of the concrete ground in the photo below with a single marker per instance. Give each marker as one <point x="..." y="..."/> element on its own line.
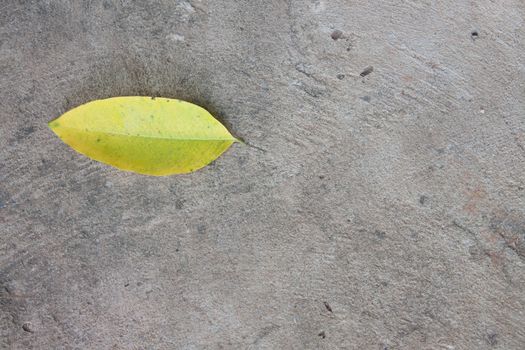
<point x="381" y="204"/>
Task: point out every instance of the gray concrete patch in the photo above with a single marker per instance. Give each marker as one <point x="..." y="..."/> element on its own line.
<point x="382" y="205"/>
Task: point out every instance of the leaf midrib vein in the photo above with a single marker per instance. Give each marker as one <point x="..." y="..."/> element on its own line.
<point x="147" y="137"/>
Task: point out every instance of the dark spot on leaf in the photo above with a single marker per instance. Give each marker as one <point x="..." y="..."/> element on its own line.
<point x="98" y="140"/>
<point x="474" y="34"/>
<point x="422" y="199"/>
<point x="322" y="334"/>
<point x="336" y="34"/>
<point x="327" y="306"/>
<point x="367" y="71"/>
<point x="126" y="285"/>
<point x="340" y="76"/>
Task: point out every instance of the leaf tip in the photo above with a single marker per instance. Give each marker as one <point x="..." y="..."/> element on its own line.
<point x="53" y="124"/>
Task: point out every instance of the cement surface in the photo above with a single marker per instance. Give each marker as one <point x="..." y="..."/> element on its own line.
<point x="381" y="205"/>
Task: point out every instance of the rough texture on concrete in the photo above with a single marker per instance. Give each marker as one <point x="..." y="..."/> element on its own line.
<point x="381" y="205"/>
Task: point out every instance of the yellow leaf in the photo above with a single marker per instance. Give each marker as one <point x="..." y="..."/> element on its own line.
<point x="152" y="136"/>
